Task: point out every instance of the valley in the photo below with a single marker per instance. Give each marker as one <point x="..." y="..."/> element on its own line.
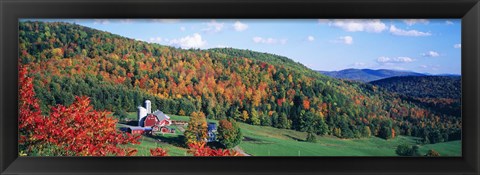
<point x="282" y="107"/>
<point x="269" y="141"/>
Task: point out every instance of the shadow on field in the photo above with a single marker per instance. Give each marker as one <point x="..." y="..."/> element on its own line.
<point x="215" y="145"/>
<point x="255" y="141"/>
<point x="294" y="138"/>
<point x="130" y="123"/>
<point x="178" y="140"/>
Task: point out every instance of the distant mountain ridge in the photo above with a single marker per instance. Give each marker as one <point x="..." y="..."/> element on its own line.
<point x="423" y="86"/>
<point x="368" y="75"/>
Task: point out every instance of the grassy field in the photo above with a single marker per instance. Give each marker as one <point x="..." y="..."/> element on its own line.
<point x="453" y="148"/>
<point x="170" y="142"/>
<point x="269" y="141"/>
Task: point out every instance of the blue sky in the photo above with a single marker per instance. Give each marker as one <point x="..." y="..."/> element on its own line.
<point x="420" y="45"/>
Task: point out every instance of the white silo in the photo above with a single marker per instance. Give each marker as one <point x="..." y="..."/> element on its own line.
<point x="142" y="112"/>
<point x="148" y="105"/>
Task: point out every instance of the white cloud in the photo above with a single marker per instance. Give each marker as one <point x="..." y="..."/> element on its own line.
<point x="424" y="66"/>
<point x="213" y="27"/>
<point x="191" y="41"/>
<point x="403" y="59"/>
<point x="310" y="38"/>
<point x="101" y="21"/>
<point x="238" y="26"/>
<point x="400" y="32"/>
<point x="448" y="22"/>
<point x="323" y="21"/>
<point x="431" y="54"/>
<point x="457" y="46"/>
<point x="344" y="40"/>
<point x="166" y="20"/>
<point x="384" y="59"/>
<point x="258" y="39"/>
<point x="183" y="29"/>
<point x="155" y="39"/>
<point x="126" y="21"/>
<point x="357" y="25"/>
<point x="411" y="22"/>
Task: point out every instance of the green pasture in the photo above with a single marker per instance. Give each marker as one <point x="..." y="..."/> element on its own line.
<point x="269" y="141"/>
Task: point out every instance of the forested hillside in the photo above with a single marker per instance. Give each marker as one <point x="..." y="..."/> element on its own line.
<point x="118" y="73"/>
<point x="424" y="86"/>
<point x="440" y="93"/>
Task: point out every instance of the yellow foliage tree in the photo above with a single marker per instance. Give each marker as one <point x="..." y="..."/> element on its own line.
<point x="245" y="116"/>
<point x="197" y="128"/>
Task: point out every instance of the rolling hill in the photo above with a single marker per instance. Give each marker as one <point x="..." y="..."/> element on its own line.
<point x="423" y="86"/>
<point x="439" y="93"/>
<point x="269" y="141"/>
<point x="117" y="73"/>
<point x="367" y="75"/>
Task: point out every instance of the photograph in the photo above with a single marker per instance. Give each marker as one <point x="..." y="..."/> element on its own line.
<point x="240" y="87"/>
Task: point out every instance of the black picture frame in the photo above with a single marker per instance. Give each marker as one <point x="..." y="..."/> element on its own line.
<point x="11" y="11"/>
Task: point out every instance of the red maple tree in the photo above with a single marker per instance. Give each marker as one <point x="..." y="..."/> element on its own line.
<point x="158" y="152"/>
<point x="75" y="130"/>
<point x="200" y="149"/>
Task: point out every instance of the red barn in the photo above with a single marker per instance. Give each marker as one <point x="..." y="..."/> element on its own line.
<point x="136" y="130"/>
<point x="150" y="121"/>
<point x="158" y="118"/>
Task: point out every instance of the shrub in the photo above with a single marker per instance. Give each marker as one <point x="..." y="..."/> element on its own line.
<point x="432" y="153"/>
<point x="385" y="132"/>
<point x="406" y="150"/>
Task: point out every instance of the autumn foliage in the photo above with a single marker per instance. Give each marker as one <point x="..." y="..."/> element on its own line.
<point x="79" y="130"/>
<point x="158" y="152"/>
<point x="118" y="73"/>
<point x="75" y="130"/>
<point x="200" y="149"/>
<point x="229" y="134"/>
<point x="197" y="128"/>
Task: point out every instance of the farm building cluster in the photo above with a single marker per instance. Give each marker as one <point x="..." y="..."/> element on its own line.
<point x="159" y="123"/>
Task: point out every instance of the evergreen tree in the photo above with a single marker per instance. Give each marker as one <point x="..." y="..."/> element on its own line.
<point x="311" y="137"/>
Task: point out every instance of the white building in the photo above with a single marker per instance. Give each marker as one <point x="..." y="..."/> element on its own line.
<point x="143" y="112"/>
